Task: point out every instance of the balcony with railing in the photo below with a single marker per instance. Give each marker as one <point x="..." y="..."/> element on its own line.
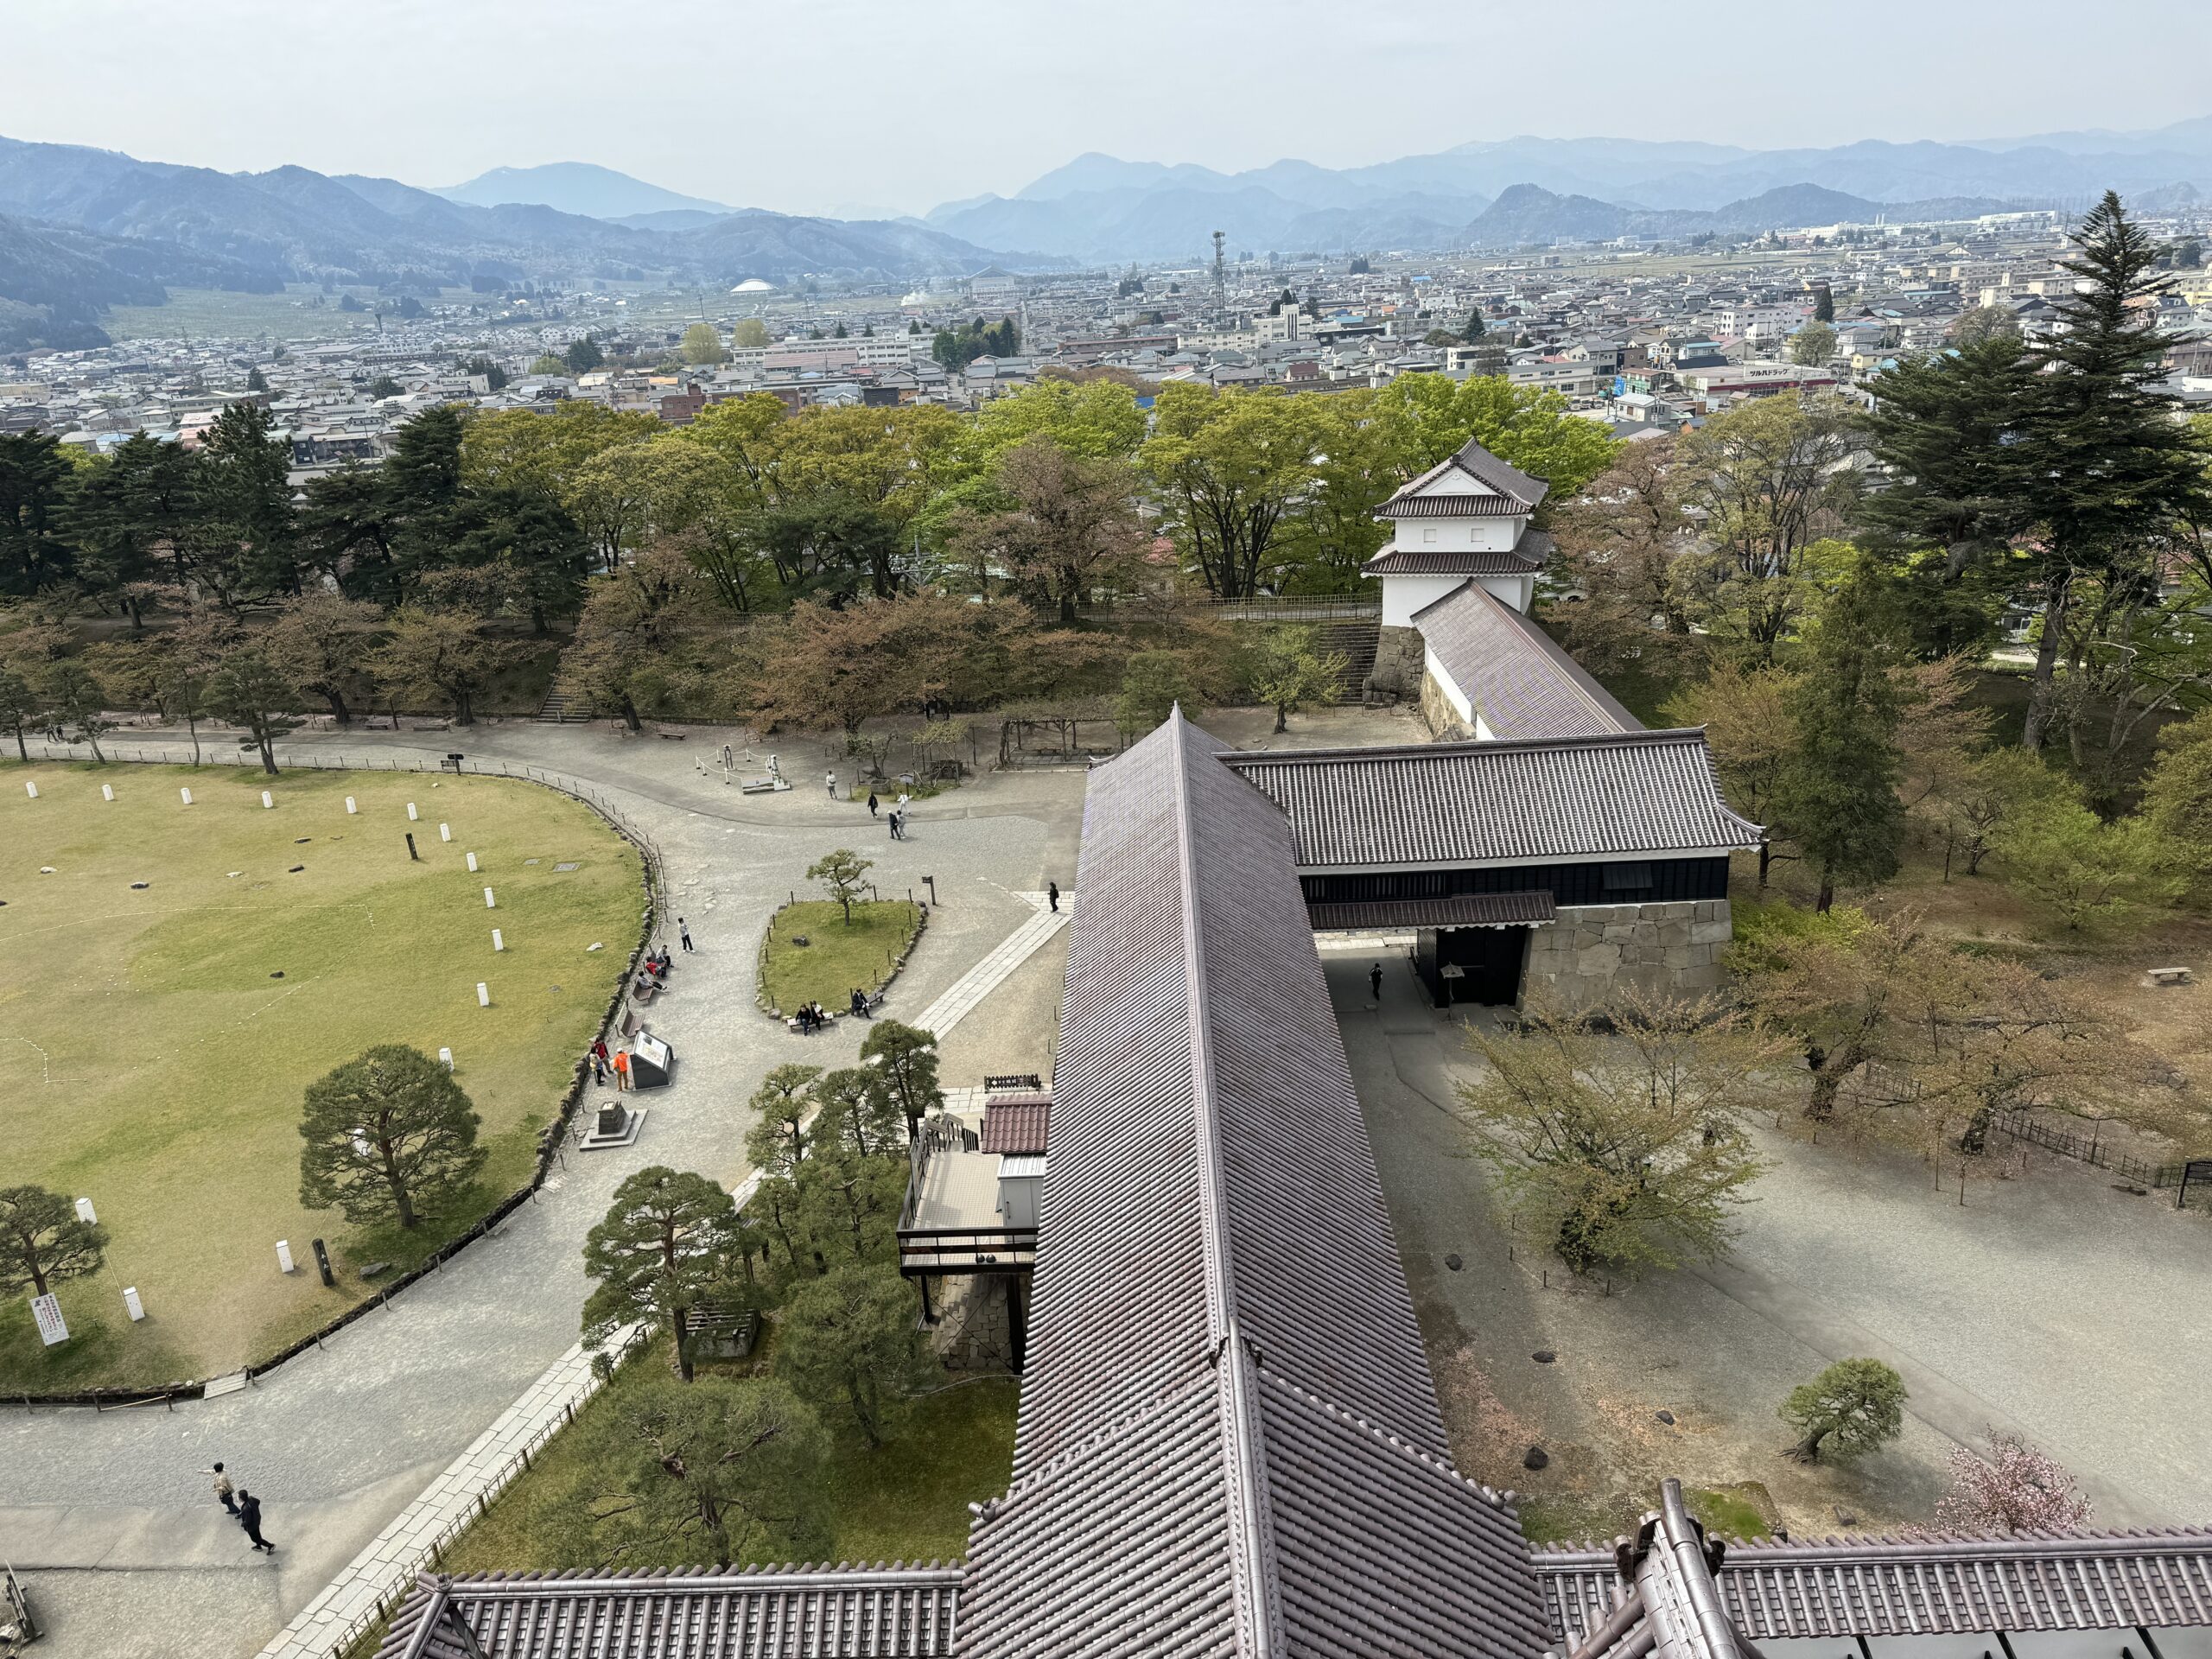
<point x="967" y="1211"/>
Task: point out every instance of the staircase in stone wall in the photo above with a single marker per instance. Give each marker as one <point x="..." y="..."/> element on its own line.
<point x="1357" y="639"/>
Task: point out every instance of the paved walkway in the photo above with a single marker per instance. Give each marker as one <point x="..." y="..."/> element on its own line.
<point x="339" y="1441"/>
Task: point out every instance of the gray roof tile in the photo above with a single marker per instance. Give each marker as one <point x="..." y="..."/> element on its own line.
<point x="1226" y="1400"/>
<point x="1503" y="802"/>
<point x="1522" y="683"/>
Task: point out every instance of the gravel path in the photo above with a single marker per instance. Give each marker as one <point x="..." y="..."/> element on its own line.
<point x="2050" y="1304"/>
<point x="338" y="1439"/>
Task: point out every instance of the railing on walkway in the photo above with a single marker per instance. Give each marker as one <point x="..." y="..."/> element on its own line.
<point x="2089" y="1148"/>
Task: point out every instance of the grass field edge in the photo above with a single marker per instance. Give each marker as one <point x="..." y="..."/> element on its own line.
<point x="549" y="1145"/>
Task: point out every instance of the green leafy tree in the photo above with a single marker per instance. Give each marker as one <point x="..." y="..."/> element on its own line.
<point x="38" y="493"/>
<point x="447" y="654"/>
<point x="1288" y="671"/>
<point x="662" y="1252"/>
<point x="842" y="872"/>
<point x="702" y="345"/>
<point x="2111" y="471"/>
<point x="857" y="1111"/>
<point x="1848" y="1410"/>
<point x="2176" y="794"/>
<point x="776" y="1144"/>
<point x="721" y="1470"/>
<point x="78" y="696"/>
<point x="387" y="1134"/>
<point x="850" y="1344"/>
<point x="1837" y="796"/>
<point x="1625" y="1149"/>
<point x="1812" y="345"/>
<point x="1152" y="683"/>
<point x="1230" y="468"/>
<point x="21" y="706"/>
<point x="320" y="641"/>
<point x="2087" y="872"/>
<point x="1767" y="474"/>
<point x="250" y="692"/>
<point x="750" y="333"/>
<point x="904" y="1059"/>
<point x="43" y="1241"/>
<point x="547" y="363"/>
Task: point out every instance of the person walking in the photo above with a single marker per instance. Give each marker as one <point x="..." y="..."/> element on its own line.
<point x="621" y="1070"/>
<point x="1374" y="980"/>
<point x="872" y="810"/>
<point x="223" y="1490"/>
<point x="1053" y="896"/>
<point x="683" y="931"/>
<point x="830" y="783"/>
<point x="249" y="1518"/>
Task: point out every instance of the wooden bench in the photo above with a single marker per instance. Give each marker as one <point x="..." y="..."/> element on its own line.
<point x="644" y="995"/>
<point x="673" y="737"/>
<point x="2168" y="975"/>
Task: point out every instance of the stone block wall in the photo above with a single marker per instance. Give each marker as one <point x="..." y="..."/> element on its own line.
<point x="1400" y="662"/>
<point x="1593" y="951"/>
<point x="1443" y="720"/>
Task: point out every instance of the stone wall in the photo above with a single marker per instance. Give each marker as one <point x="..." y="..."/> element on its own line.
<point x="1444" y="723"/>
<point x="1401" y="661"/>
<point x="1593" y="951"/>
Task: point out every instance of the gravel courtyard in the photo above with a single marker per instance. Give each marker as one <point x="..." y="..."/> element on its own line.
<point x="2050" y="1304"/>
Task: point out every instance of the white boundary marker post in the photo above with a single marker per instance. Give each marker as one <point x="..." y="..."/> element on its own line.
<point x="489" y="902"/>
<point x="411" y="813"/>
<point x="267" y="800"/>
<point x="483" y="995"/>
<point x="187" y="794"/>
<point x="350" y="807"/>
<point x="284" y="1255"/>
<point x="497" y="944"/>
<point x="445" y="832"/>
<point x="107" y="792"/>
<point x="472" y="863"/>
<point x="31" y="787"/>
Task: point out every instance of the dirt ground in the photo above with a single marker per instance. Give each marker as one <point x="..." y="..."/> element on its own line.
<point x="2044" y="1307"/>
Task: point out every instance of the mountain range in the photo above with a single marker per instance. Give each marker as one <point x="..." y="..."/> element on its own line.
<point x="1099" y="207"/>
<point x="581" y="187"/>
<point x="81" y="229"/>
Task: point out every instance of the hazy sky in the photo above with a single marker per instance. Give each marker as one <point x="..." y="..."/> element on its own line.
<point x="823" y="106"/>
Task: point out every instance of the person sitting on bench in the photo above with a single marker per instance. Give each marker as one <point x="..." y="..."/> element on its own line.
<point x="859" y="1003"/>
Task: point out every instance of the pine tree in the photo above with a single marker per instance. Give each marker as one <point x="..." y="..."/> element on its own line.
<point x="1474" y="329"/>
<point x="1823" y="303"/>
<point x="2110" y="469"/>
<point x="1837" y="799"/>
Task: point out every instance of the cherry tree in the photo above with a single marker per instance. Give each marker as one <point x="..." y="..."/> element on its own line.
<point x="2017" y="1488"/>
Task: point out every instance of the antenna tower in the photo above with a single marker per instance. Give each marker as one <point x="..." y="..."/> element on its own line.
<point x="1220" y="276"/>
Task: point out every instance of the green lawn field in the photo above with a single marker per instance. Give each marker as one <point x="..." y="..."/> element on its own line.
<point x="838" y="955"/>
<point x="155" y="1057"/>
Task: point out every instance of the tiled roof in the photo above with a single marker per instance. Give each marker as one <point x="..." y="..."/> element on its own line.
<point x="1463" y="910"/>
<point x="1520" y="683"/>
<point x="1529" y="554"/>
<point x="1228" y="1441"/>
<point x="1478" y="463"/>
<point x="847" y="1612"/>
<point x="1402" y="505"/>
<point x="1884" y="1587"/>
<point x="1503" y="802"/>
<point x="1016" y="1123"/>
